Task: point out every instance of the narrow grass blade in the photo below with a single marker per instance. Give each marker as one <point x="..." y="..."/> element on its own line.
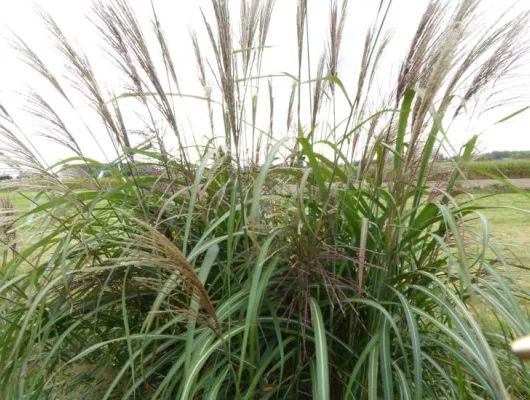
<point x="322" y="365"/>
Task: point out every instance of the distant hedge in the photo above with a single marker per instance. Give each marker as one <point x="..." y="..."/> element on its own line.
<point x="511" y="169"/>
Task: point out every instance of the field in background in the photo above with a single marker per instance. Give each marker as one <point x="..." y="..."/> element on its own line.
<point x="511" y="169"/>
<point x="509" y="228"/>
<point x="21" y="200"/>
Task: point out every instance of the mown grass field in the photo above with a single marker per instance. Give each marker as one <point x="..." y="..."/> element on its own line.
<point x="509" y="228"/>
<point x="21" y="200"/>
<point x="509" y="225"/>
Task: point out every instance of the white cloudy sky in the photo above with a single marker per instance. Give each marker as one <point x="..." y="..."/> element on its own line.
<point x="178" y="15"/>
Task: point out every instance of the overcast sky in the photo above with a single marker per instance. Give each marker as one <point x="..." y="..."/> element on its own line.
<point x="177" y="16"/>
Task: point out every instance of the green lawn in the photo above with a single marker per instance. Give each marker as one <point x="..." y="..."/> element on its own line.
<point x="509" y="228"/>
<point x="21" y="201"/>
<point x="25" y="235"/>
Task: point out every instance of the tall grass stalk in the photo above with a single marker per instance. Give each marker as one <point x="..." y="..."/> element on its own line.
<point x="312" y="259"/>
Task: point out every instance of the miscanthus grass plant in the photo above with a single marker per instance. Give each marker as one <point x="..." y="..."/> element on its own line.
<point x="304" y="259"/>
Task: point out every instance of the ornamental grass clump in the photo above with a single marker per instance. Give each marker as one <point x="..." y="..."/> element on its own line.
<point x="297" y="252"/>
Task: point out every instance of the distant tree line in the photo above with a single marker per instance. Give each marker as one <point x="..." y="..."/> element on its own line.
<point x="491" y="156"/>
<point x="500" y="155"/>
